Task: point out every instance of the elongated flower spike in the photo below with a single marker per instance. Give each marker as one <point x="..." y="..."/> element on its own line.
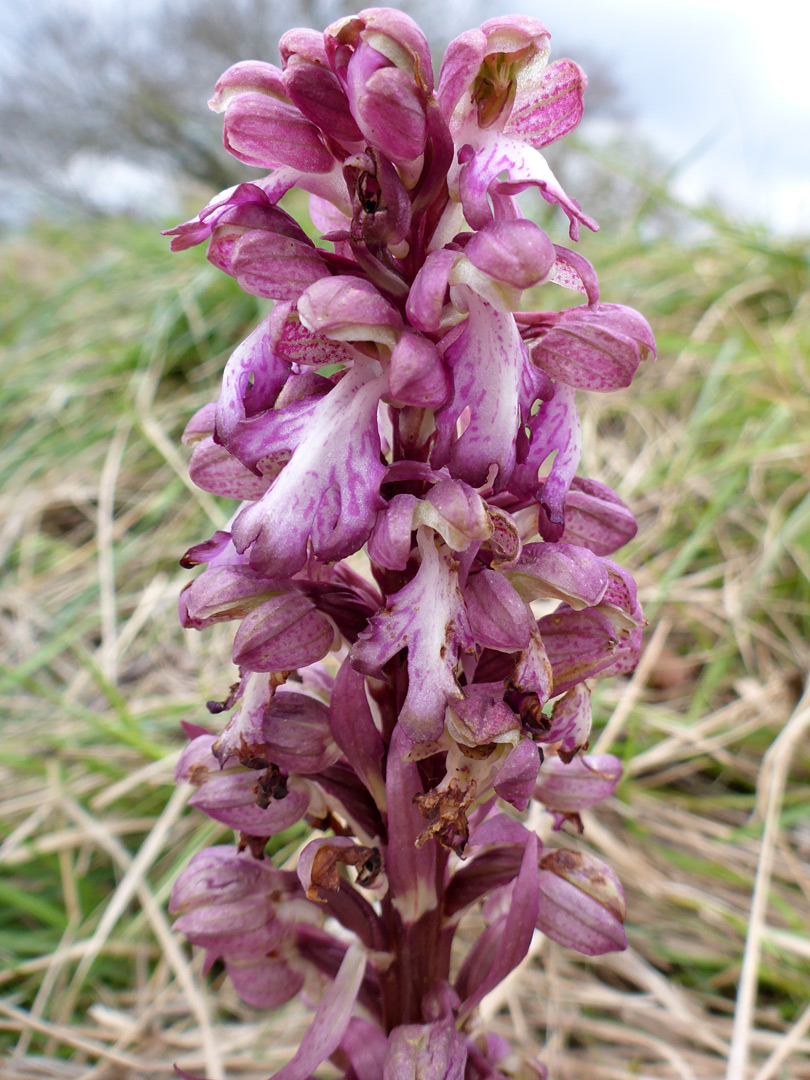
<point x="422" y="586"/>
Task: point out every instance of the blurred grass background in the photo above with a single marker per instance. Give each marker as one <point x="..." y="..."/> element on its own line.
<point x="110" y="344"/>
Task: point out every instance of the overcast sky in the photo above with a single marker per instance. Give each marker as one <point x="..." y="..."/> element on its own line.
<point x="729" y="74"/>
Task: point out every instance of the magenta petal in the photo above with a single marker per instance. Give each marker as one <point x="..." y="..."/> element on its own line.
<point x="581" y="902"/>
<point x="580" y="645"/>
<point x="270" y="265"/>
<point x="331" y="1018"/>
<point x="487" y="363"/>
<point x="231" y="799"/>
<point x="456" y="512"/>
<point x="253" y="376"/>
<point x="595" y="518"/>
<point x="582" y="782"/>
<point x="390" y="544"/>
<point x="264" y="983"/>
<point x="391" y="112"/>
<point x="425" y="1052"/>
<point x="517" y="253"/>
<point x="498" y="616"/>
<point x="532" y="673"/>
<point x="283" y="633"/>
<point x="516" y="778"/>
<point x="481" y="717"/>
<point x="570" y="720"/>
<point x="297" y="734"/>
<point x="316" y="92"/>
<point x="264" y="131"/>
<point x="417" y="375"/>
<point x="573" y="271"/>
<point x="221" y="593"/>
<point x="495" y="153"/>
<point x="501" y="948"/>
<point x="213" y="469"/>
<point x="354" y="731"/>
<point x="349" y="309"/>
<point x="555" y="426"/>
<point x="427" y="294"/>
<point x="560" y="572"/>
<point x="460" y="66"/>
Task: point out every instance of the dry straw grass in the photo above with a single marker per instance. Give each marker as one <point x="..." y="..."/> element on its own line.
<point x="110" y="346"/>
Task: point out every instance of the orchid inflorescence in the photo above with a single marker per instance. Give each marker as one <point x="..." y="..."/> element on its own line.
<point x="396" y="400"/>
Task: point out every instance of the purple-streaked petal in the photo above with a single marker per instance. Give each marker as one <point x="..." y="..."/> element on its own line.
<point x="456" y="512"/>
<point x="551" y="109"/>
<point x="579" y="644"/>
<point x="532" y="672"/>
<point x="213" y="469"/>
<point x="230" y="798"/>
<point x="316" y="92"/>
<point x="595" y="348"/>
<point x="620" y="602"/>
<point x="269" y="265"/>
<point x="494" y="153"/>
<point x="244" y="732"/>
<point x="462" y="62"/>
<point x="264" y="983"/>
<point x="253" y="376"/>
<point x="428" y="618"/>
<point x="516" y="253"/>
<point x="487" y="362"/>
<point x="221" y="593"/>
<point x="328" y="491"/>
<point x="297" y="733"/>
<point x="555" y="426"/>
<point x="389" y="544"/>
<point x="573" y="271"/>
<point x="268" y="132"/>
<point x="427" y="293"/>
<point x="481" y="717"/>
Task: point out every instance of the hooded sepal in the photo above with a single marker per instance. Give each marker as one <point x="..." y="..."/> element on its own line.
<point x="581" y="902"/>
<point x="434" y="1051"/>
